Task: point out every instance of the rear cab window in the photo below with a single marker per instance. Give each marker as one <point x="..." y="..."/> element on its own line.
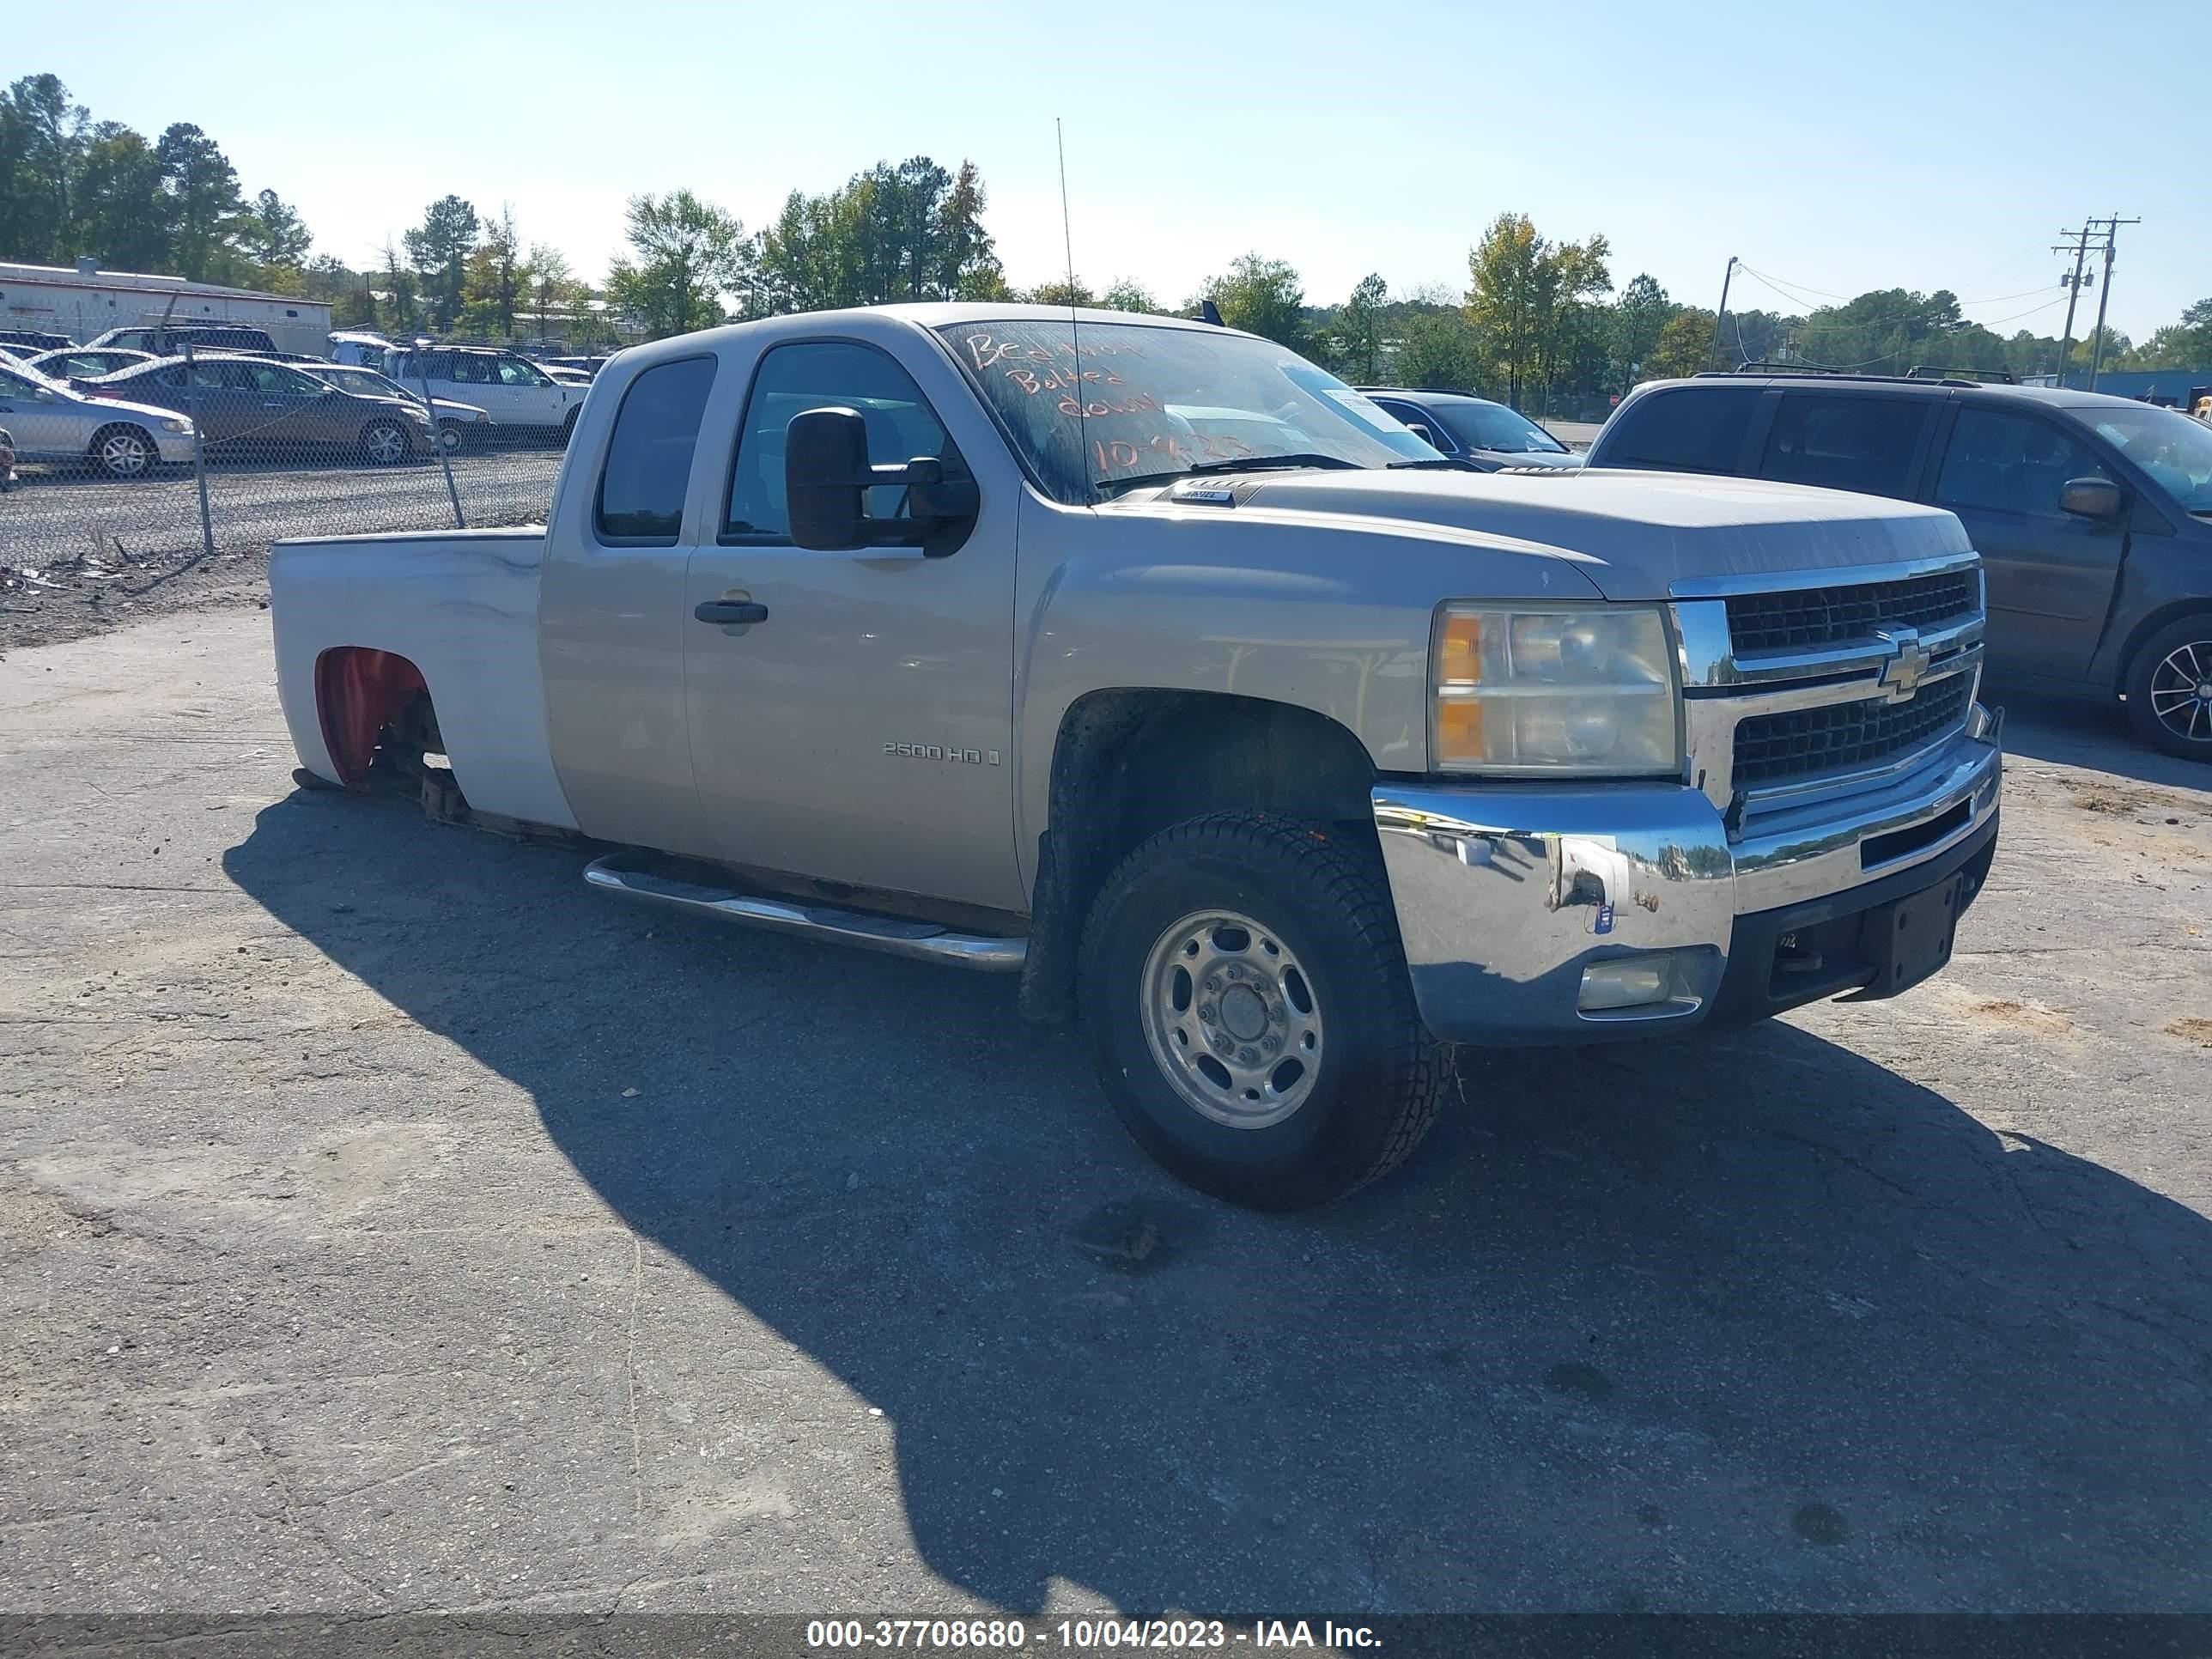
<point x="1684" y="429"/>
<point x="649" y="467"/>
<point x="1847" y="441"/>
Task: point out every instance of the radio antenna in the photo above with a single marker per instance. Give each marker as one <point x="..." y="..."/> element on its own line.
<point x="1075" y="322"/>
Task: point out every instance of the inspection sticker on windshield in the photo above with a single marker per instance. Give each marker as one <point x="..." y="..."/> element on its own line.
<point x="1366" y="408"/>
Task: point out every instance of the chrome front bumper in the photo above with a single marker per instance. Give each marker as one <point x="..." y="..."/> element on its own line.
<point x="1505" y="893"/>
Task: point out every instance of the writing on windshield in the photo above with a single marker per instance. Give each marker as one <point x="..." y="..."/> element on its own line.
<point x="1092" y="406"/>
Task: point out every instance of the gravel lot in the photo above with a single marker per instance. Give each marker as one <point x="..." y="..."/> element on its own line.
<point x="388" y="1222"/>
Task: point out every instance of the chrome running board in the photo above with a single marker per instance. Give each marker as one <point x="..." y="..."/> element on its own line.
<point x="924" y="941"/>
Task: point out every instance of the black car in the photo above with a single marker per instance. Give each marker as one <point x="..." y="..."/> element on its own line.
<point x="1487" y="435"/>
<point x="2092" y="514"/>
<point x="251" y="406"/>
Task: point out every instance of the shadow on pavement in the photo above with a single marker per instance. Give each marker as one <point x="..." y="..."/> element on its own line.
<point x="1751" y="1323"/>
<point x="2096" y="735"/>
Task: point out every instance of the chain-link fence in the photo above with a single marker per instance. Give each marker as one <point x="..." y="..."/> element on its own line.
<point x="124" y="467"/>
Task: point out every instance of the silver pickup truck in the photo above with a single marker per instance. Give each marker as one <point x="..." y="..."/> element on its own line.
<point x="1150" y="662"/>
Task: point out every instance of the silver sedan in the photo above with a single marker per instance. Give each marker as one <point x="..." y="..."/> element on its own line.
<point x="51" y="423"/>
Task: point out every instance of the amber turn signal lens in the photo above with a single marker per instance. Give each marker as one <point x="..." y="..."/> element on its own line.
<point x="1459" y="657"/>
<point x="1459" y="731"/>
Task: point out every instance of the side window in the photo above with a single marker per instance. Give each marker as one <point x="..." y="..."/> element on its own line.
<point x="649" y="457"/>
<point x="231" y="377"/>
<point x="1413" y="416"/>
<point x="793" y="379"/>
<point x="174" y="378"/>
<point x="1864" y="444"/>
<point x="2005" y="463"/>
<point x="1688" y="429"/>
<point x="513" y="371"/>
<point x="13" y="386"/>
<point x="468" y="369"/>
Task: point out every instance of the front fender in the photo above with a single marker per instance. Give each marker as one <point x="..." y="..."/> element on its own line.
<point x="1318" y="612"/>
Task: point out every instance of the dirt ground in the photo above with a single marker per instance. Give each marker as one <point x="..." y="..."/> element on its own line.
<point x="387" y="1222"/>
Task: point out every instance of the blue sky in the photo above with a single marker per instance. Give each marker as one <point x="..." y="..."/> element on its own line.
<point x="1834" y="148"/>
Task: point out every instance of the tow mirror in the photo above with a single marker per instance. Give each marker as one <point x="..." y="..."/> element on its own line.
<point x="826" y="474"/>
<point x="2091" y="498"/>
<point x="825" y="468"/>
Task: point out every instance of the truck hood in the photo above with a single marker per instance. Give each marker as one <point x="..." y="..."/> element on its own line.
<point x="1633" y="534"/>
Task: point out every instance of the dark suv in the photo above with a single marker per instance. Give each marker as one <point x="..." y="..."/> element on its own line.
<point x="2092" y="514"/>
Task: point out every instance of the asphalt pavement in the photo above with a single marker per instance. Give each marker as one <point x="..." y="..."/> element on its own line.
<point x="387" y="1222"/>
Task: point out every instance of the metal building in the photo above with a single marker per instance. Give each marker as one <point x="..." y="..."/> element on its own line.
<point x="88" y="302"/>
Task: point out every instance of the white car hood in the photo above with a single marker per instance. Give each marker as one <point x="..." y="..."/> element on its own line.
<point x="1633" y="534"/>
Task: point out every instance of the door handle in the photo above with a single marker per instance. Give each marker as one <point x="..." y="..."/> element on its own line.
<point x="728" y="613"/>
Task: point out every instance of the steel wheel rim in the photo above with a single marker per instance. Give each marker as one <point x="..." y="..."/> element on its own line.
<point x="121" y="453"/>
<point x="1231" y="1018"/>
<point x="385" y="445"/>
<point x="2181" y="691"/>
<point x="449" y="438"/>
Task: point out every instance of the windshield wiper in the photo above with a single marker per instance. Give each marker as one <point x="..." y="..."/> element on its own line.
<point x="1251" y="464"/>
<point x="1449" y="463"/>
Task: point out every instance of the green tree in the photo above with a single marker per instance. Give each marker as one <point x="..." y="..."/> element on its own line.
<point x="1356" y="331"/>
<point x="1062" y="292"/>
<point x="438" y="250"/>
<point x="1685" y="345"/>
<point x="273" y="235"/>
<point x="201" y="188"/>
<point x="2184" y="344"/>
<point x="911" y="231"/>
<point x="43" y="137"/>
<point x="1262" y="297"/>
<point x="686" y="255"/>
<point x="399" y="290"/>
<point x="1127" y="294"/>
<point x="491" y="284"/>
<point x="548" y="286"/>
<point x="1639" y="316"/>
<point x="1434" y="347"/>
<point x="122" y="218"/>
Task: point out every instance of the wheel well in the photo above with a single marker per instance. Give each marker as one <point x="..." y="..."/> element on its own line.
<point x="1127" y="764"/>
<point x="138" y="427"/>
<point x="2171" y="611"/>
<point x="360" y="691"/>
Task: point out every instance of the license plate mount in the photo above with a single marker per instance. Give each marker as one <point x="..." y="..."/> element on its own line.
<point x="1910" y="939"/>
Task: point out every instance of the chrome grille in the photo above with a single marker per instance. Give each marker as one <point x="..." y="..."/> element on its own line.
<point x="1808" y="618"/>
<point x="1844" y="737"/>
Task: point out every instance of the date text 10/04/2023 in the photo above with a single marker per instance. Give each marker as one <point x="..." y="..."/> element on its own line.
<point x="1087" y="1635"/>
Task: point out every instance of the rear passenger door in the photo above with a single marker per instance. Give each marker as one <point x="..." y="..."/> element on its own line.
<point x="1858" y="441"/>
<point x="2050" y="574"/>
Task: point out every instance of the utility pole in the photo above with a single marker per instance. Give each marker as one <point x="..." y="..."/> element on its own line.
<point x="1721" y="316"/>
<point x="2073" y="286"/>
<point x="2104" y="294"/>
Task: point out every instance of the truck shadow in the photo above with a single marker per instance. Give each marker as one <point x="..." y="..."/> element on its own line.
<point x="1752" y="1322"/>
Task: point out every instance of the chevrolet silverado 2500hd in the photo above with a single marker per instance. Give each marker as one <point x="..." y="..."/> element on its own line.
<point x="1146" y="659"/>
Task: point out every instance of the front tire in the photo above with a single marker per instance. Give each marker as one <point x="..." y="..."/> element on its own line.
<point x="124" y="452"/>
<point x="1246" y="1003"/>
<point x="2170" y="688"/>
<point x="385" y="443"/>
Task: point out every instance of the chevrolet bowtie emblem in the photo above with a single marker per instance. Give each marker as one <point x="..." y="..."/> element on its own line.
<point x="1907" y="663"/>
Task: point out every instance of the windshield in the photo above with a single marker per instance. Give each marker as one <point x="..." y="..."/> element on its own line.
<point x="2176" y="450"/>
<point x="1493" y="426"/>
<point x="364" y="383"/>
<point x="1160" y="401"/>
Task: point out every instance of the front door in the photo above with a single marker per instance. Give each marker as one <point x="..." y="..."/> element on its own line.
<point x="2050" y="573"/>
<point x="41" y="420"/>
<point x="861" y="732"/>
<point x="527" y="396"/>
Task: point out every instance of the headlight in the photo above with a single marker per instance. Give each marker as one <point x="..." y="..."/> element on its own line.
<point x="1589" y="690"/>
<point x="177" y="426"/>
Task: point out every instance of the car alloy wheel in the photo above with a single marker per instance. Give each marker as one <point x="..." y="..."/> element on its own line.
<point x="385" y="444"/>
<point x="124" y="452"/>
<point x="2181" y="691"/>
